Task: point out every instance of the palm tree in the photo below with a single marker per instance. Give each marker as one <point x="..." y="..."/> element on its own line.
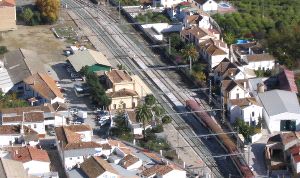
<point x="143" y="114"/>
<point x="190" y="53"/>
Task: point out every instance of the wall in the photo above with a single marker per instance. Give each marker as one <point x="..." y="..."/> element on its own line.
<point x="210" y="5"/>
<point x="5" y="139"/>
<point x="274" y="121"/>
<point x="256" y="137"/>
<point x="215" y="60"/>
<point x="40" y="127"/>
<point x="247" y="113"/>
<point x="86" y="135"/>
<point x="174" y="173"/>
<point x="8" y="18"/>
<point x="70" y="162"/>
<point x="107" y="174"/>
<point x="127" y="100"/>
<point x="135" y="165"/>
<point x="37" y="167"/>
<point x="235" y="112"/>
<point x="237" y="90"/>
<point x="261" y="64"/>
<point x="126" y="85"/>
<point x="170" y="3"/>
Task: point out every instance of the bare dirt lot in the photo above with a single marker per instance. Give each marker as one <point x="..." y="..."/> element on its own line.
<point x="39" y="39"/>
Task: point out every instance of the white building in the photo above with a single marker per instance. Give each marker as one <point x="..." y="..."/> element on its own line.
<point x="74" y="144"/>
<point x="35" y="161"/>
<point x="13" y="134"/>
<point x="213" y="51"/>
<point x="206" y="5"/>
<point x="234" y="89"/>
<point x="167" y="3"/>
<point x="5" y="82"/>
<point x="260" y="61"/>
<point x="295" y="158"/>
<point x="200" y="20"/>
<point x="130" y="162"/>
<point x="281" y="110"/>
<point x="133" y="124"/>
<point x="246" y="109"/>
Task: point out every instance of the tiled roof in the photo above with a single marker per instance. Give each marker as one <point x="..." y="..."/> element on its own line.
<point x="128" y="160"/>
<point x="26" y="154"/>
<point x="122" y="93"/>
<point x="157" y="169"/>
<point x="132" y="116"/>
<point x="228" y="85"/>
<point x="288" y="137"/>
<point x="96" y="166"/>
<point x="15" y="129"/>
<point x="223" y="66"/>
<point x="243" y="102"/>
<point x="260" y="57"/>
<point x="296" y="158"/>
<point x="12" y="169"/>
<point x="20" y="110"/>
<point x="197" y="32"/>
<point x="287" y="81"/>
<point x="28" y="117"/>
<point x="194" y="19"/>
<point x="118" y="76"/>
<point x="44" y="85"/>
<point x="71" y="140"/>
<point x="106" y="146"/>
<point x="7" y="2"/>
<point x="116" y="143"/>
<point x="295" y="150"/>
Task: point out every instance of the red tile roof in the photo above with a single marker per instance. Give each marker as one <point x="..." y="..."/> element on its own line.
<point x="296" y="158"/>
<point x="295" y="150"/>
<point x="26" y="154"/>
<point x="28" y="117"/>
<point x="7" y="3"/>
<point x="15" y="130"/>
<point x="287" y="81"/>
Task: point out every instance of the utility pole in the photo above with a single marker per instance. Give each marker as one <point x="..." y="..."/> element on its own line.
<point x="119" y="10"/>
<point x="169" y="45"/>
<point x="190" y="58"/>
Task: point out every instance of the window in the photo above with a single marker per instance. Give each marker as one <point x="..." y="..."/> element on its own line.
<point x="252" y="114"/>
<point x="70" y="158"/>
<point x="287" y="125"/>
<point x="237" y="96"/>
<point x="34" y="126"/>
<point x="115" y="106"/>
<point x="78" y="157"/>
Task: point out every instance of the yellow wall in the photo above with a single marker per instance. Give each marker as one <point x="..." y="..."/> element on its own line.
<point x="7" y="18"/>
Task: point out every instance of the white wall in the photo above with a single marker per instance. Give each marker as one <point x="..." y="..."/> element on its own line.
<point x="39" y="127"/>
<point x="5" y="139"/>
<point x="57" y="99"/>
<point x="70" y="162"/>
<point x="107" y="174"/>
<point x="238" y="90"/>
<point x="273" y="122"/>
<point x="247" y="113"/>
<point x="261" y="64"/>
<point x="37" y="167"/>
<point x="86" y="136"/>
<point x="295" y="165"/>
<point x="210" y="5"/>
<point x="170" y="3"/>
<point x="215" y="60"/>
<point x="174" y="173"/>
<point x="135" y="165"/>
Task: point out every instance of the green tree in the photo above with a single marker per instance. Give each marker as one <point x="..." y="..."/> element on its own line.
<point x="27" y="15"/>
<point x="49" y="9"/>
<point x="190" y="52"/>
<point x="144" y="115"/>
<point x="150" y="100"/>
<point x="11" y="101"/>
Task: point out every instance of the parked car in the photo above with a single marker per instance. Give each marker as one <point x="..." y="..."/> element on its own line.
<point x="74" y="75"/>
<point x="51" y="133"/>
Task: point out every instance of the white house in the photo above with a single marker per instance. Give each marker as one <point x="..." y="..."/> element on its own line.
<point x="133" y="124"/>
<point x="227" y="69"/>
<point x="200" y="20"/>
<point x="13" y="134"/>
<point x="130" y="162"/>
<point x="234" y="89"/>
<point x="167" y="3"/>
<point x="5" y="81"/>
<point x="98" y="168"/>
<point x="213" y="51"/>
<point x="246" y="109"/>
<point x="281" y="110"/>
<point x="41" y="88"/>
<point x="196" y="35"/>
<point x="31" y="119"/>
<point x="163" y="171"/>
<point x="35" y="161"/>
<point x="263" y="61"/>
<point x="74" y="144"/>
<point x="206" y="5"/>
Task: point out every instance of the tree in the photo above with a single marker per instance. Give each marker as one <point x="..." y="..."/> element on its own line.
<point x="27" y="15"/>
<point x="3" y="50"/>
<point x="190" y="52"/>
<point x="49" y="9"/>
<point x="150" y="100"/>
<point x="144" y="115"/>
<point x="11" y="101"/>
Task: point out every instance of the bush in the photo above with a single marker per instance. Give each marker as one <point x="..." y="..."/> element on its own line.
<point x="166" y="120"/>
<point x="158" y="129"/>
<point x="3" y="49"/>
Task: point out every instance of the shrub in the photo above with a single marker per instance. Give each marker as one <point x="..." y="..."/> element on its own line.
<point x="166" y="120"/>
<point x="158" y="129"/>
<point x="3" y="49"/>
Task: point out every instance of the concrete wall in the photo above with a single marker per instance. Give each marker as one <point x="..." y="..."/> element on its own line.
<point x="261" y="65"/>
<point x="6" y="139"/>
<point x="8" y="18"/>
<point x="128" y="101"/>
<point x="210" y="5"/>
<point x="37" y="167"/>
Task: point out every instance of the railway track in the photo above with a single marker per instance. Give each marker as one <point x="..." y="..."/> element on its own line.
<point x="127" y="53"/>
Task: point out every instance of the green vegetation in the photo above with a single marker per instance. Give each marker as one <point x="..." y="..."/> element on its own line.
<point x="11" y="101"/>
<point x="263" y="73"/>
<point x="129" y="2"/>
<point x="245" y="129"/>
<point x="276" y="23"/>
<point x="150" y="100"/>
<point x="144" y="115"/>
<point x="3" y="50"/>
<point x="152" y="17"/>
<point x="166" y="120"/>
<point x="31" y="17"/>
<point x="97" y="91"/>
<point x="49" y="10"/>
<point x="121" y="130"/>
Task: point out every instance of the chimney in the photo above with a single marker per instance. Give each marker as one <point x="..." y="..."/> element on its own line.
<point x="160" y="151"/>
<point x="260" y="88"/>
<point x="184" y="165"/>
<point x="245" y="85"/>
<point x="78" y="165"/>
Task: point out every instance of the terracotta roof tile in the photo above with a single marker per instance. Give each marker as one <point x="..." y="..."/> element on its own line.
<point x="118" y="76"/>
<point x="128" y="160"/>
<point x="44" y="85"/>
<point x="28" y="117"/>
<point x="243" y="102"/>
<point x="15" y="130"/>
<point x="96" y="166"/>
<point x="26" y="154"/>
<point x="20" y="110"/>
<point x="123" y="93"/>
<point x="260" y="57"/>
<point x="7" y="3"/>
<point x="157" y="170"/>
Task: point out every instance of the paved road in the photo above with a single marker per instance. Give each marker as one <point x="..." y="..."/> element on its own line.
<point x="121" y="49"/>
